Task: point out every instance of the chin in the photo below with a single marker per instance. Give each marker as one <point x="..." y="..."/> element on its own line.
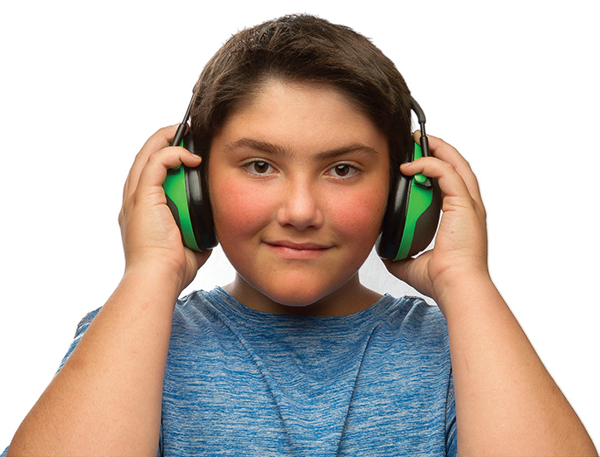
<point x="296" y="289"/>
<point x="300" y="295"/>
<point x="296" y="301"/>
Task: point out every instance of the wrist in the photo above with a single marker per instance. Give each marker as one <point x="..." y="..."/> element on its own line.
<point x="464" y="290"/>
<point x="154" y="279"/>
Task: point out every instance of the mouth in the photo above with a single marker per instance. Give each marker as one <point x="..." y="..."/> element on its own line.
<point x="292" y="250"/>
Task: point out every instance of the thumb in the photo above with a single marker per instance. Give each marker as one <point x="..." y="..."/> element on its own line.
<point x="413" y="272"/>
<point x="399" y="268"/>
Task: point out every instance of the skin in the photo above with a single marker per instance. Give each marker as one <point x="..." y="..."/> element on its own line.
<point x="299" y="183"/>
<point x="507" y="404"/>
<point x="107" y="398"/>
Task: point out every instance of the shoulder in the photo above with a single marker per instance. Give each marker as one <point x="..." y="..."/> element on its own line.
<point x="199" y="308"/>
<point x="412" y="333"/>
<point x="85" y="323"/>
<point x="415" y="315"/>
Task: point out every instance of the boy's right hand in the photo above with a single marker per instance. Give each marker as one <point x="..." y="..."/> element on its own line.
<point x="151" y="238"/>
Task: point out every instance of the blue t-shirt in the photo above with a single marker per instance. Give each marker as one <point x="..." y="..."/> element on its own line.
<point x="242" y="382"/>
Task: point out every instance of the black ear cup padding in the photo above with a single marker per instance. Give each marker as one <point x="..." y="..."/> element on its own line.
<point x="200" y="209"/>
<point x="427" y="224"/>
<point x="394" y="220"/>
<point x="199" y="202"/>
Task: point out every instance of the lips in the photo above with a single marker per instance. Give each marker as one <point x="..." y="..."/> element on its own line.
<point x="298" y="246"/>
<point x="293" y="250"/>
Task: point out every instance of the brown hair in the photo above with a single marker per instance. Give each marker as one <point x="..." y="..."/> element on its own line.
<point x="307" y="49"/>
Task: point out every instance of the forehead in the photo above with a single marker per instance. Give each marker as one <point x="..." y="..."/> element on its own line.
<point x="301" y="116"/>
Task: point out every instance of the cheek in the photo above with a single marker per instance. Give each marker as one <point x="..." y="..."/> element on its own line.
<point x="238" y="210"/>
<point x="241" y="210"/>
<point x="360" y="214"/>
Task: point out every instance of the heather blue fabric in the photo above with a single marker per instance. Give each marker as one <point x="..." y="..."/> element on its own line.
<point x="242" y="382"/>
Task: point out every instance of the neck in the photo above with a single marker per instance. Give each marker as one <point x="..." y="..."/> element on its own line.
<point x="350" y="298"/>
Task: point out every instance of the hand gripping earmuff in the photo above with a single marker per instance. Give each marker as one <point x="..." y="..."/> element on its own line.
<point x="413" y="209"/>
<point x="409" y="224"/>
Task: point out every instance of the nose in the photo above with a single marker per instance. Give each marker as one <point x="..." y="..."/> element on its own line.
<point x="300" y="206"/>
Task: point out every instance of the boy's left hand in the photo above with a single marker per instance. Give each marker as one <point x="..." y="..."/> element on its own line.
<point x="460" y="249"/>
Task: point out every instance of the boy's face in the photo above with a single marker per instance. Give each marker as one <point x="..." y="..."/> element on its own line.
<point x="298" y="181"/>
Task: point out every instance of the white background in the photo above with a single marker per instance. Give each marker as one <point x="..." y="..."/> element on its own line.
<point x="513" y="85"/>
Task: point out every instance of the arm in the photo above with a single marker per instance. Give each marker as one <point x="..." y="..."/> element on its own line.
<point x="506" y="402"/>
<point x="107" y="398"/>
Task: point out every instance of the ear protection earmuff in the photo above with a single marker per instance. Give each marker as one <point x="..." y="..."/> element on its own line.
<point x="187" y="197"/>
<point x="409" y="224"/>
<point x="413" y="209"/>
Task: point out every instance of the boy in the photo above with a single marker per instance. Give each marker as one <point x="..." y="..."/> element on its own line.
<point x="301" y="127"/>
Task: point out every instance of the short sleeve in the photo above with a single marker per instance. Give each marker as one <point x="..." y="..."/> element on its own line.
<point x="81" y="329"/>
<point x="451" y="444"/>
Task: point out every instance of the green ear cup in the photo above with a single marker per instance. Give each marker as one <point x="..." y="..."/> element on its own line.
<point x="187" y="196"/>
<point x="176" y="193"/>
<point x="411" y="217"/>
<point x="419" y="199"/>
<point x="422" y="214"/>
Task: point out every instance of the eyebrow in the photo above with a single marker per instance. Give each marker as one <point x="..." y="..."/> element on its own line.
<point x="275" y="149"/>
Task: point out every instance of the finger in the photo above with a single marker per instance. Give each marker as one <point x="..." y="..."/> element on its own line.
<point x="446" y="152"/>
<point x="398" y="268"/>
<point x="450" y="181"/>
<point x="157" y="165"/>
<point x="411" y="271"/>
<point x="450" y="154"/>
<point x="159" y="140"/>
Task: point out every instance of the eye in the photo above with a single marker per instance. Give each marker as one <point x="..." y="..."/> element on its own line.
<point x="343" y="170"/>
<point x="259" y="167"/>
